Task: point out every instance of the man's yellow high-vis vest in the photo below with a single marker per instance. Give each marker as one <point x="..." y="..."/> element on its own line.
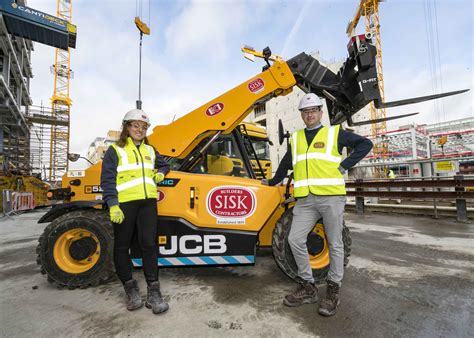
<point x="135" y="172"/>
<point x="315" y="167"/>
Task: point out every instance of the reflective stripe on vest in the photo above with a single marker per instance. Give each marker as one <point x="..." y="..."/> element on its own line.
<point x="319" y="181"/>
<point x="135" y="172"/>
<point x="133" y="183"/>
<point x="316" y="165"/>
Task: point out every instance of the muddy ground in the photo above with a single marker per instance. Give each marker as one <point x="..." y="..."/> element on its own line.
<point x="407" y="276"/>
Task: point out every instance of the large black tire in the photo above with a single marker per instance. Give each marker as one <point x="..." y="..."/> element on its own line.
<point x="284" y="257"/>
<point x="92" y="251"/>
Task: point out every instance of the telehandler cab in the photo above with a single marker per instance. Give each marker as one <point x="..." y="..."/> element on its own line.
<point x="209" y="216"/>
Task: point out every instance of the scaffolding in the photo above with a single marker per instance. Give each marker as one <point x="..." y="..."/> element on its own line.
<point x="451" y="141"/>
<point x="458" y="144"/>
<point x="41" y="121"/>
<point x="405" y="144"/>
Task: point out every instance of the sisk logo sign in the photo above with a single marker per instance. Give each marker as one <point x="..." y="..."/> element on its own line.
<point x="231" y="204"/>
<point x="161" y="196"/>
<point x="215" y="109"/>
<point x="194" y="244"/>
<point x="256" y="86"/>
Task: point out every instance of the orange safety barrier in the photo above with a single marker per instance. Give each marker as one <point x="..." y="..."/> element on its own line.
<point x="22" y="201"/>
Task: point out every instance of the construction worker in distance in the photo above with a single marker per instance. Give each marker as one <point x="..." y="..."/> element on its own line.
<point x="130" y="171"/>
<point x="391" y="174"/>
<point x="319" y="189"/>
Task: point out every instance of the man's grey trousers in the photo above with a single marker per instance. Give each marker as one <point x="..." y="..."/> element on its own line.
<point x="306" y="213"/>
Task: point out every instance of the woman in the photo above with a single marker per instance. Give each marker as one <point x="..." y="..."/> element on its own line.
<point x="130" y="170"/>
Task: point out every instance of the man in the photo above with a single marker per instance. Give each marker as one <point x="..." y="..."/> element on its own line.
<point x="315" y="157"/>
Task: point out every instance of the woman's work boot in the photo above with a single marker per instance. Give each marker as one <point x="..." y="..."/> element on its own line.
<point x="329" y="305"/>
<point x="134" y="300"/>
<point x="154" y="300"/>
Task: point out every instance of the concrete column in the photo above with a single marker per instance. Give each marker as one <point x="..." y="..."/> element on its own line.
<point x="6" y="69"/>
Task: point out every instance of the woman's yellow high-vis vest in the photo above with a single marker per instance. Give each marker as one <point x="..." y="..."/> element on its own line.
<point x="135" y="172"/>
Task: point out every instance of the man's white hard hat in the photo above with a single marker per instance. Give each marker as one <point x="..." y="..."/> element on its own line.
<point x="136" y="115"/>
<point x="310" y="100"/>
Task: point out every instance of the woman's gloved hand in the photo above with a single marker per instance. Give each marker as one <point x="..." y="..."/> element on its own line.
<point x="116" y="214"/>
<point x="158" y="177"/>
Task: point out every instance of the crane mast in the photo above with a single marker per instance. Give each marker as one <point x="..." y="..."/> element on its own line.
<point x="60" y="103"/>
<point x="370" y="10"/>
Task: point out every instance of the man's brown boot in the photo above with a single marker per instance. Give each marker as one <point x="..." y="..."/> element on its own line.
<point x="329" y="305"/>
<point x="306" y="293"/>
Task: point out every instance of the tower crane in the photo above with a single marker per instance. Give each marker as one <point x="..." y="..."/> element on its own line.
<point x="60" y="103"/>
<point x="370" y="10"/>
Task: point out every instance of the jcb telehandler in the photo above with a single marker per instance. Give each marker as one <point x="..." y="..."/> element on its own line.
<point x="209" y="218"/>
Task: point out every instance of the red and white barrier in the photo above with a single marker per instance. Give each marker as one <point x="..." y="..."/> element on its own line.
<point x="22" y="201"/>
<point x="16" y="201"/>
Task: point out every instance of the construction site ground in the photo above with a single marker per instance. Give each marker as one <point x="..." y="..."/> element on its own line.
<point x="407" y="276"/>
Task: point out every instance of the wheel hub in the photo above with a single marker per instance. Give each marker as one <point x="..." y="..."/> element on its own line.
<point x="315" y="244"/>
<point x="76" y="250"/>
<point x="82" y="248"/>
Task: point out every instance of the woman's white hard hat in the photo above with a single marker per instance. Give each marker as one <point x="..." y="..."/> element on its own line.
<point x="136" y="115"/>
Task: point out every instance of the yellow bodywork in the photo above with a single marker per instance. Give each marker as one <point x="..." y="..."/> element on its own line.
<point x="180" y="137"/>
<point x="176" y="202"/>
<point x="89" y="187"/>
<point x="189" y="199"/>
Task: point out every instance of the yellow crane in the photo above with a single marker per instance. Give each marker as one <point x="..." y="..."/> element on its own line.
<point x="370" y="10"/>
<point x="61" y="103"/>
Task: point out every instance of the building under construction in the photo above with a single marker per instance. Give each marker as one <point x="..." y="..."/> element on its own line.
<point x="34" y="140"/>
<point x="414" y="150"/>
<point x="15" y="102"/>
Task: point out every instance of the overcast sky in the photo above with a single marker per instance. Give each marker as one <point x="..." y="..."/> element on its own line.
<point x="193" y="54"/>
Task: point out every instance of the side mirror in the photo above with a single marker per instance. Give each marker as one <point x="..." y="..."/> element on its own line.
<point x="73" y="157"/>
<point x="281" y="133"/>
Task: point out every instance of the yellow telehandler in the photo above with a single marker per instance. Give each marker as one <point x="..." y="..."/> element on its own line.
<point x="213" y="210"/>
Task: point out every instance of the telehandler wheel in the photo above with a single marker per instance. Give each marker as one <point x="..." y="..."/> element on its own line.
<point x="317" y="248"/>
<point x="75" y="250"/>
